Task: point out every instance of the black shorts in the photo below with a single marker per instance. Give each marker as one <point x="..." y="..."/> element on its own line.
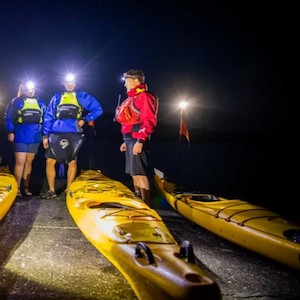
<point x="136" y="164"/>
<point x="49" y="154"/>
<point x="64" y="147"/>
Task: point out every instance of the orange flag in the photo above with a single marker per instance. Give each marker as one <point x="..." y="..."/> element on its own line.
<point x="92" y="124"/>
<point x="183" y="129"/>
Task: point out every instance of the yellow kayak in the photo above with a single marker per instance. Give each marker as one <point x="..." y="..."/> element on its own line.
<point x="253" y="227"/>
<point x="8" y="191"/>
<point x="133" y="237"/>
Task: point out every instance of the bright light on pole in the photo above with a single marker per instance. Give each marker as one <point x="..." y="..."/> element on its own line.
<point x="183" y="105"/>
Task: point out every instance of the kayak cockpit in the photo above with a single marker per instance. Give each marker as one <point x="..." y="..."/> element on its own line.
<point x="195" y="196"/>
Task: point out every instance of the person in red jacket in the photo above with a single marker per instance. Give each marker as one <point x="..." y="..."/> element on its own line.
<point x="138" y="118"/>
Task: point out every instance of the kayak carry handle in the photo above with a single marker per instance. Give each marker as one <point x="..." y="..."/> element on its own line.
<point x="138" y="252"/>
<point x="186" y="250"/>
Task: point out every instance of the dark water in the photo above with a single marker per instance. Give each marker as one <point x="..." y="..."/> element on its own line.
<point x="255" y="171"/>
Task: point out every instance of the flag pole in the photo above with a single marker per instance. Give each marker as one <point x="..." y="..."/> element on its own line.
<point x="182" y="131"/>
<point x="91" y="143"/>
<point x="179" y="147"/>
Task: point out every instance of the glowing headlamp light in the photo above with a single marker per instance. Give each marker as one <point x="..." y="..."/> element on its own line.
<point x="70" y="78"/>
<point x="30" y="85"/>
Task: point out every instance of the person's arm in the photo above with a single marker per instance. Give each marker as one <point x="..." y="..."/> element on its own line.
<point x="49" y="117"/>
<point x="148" y="107"/>
<point x="43" y="107"/>
<point x="81" y="122"/>
<point x="9" y="117"/>
<point x="91" y="104"/>
<point x="123" y="147"/>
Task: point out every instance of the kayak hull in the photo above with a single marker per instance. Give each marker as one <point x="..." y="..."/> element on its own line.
<point x="253" y="227"/>
<point x="8" y="192"/>
<point x="133" y="237"/>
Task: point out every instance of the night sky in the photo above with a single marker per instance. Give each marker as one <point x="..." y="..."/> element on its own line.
<point x="228" y="59"/>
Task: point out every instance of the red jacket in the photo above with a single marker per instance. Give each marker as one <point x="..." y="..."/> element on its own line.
<point x="138" y="113"/>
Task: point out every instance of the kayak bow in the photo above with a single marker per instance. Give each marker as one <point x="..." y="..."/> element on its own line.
<point x="133" y="237"/>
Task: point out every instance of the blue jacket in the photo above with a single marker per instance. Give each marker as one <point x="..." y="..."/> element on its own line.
<point x="24" y="133"/>
<point x="54" y="125"/>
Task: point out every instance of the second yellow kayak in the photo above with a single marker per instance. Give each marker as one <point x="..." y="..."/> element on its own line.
<point x="253" y="227"/>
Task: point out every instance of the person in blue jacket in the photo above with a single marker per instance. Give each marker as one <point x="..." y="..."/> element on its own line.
<point x="63" y="135"/>
<point x="23" y="122"/>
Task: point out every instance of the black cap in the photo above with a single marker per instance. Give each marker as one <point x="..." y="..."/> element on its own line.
<point x="134" y="73"/>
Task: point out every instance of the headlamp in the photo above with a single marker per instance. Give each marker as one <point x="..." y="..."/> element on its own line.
<point x="135" y="74"/>
<point x="29" y="85"/>
<point x="70" y="78"/>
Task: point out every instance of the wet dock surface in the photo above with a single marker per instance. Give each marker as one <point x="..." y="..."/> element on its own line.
<point x="45" y="256"/>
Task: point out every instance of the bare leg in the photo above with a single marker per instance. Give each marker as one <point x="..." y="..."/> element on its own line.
<point x="20" y="159"/>
<point x="137" y="191"/>
<point x="51" y="173"/>
<point x="146" y="196"/>
<point x="137" y="188"/>
<point x="135" y="181"/>
<point x="72" y="170"/>
<point x="28" y="168"/>
<point x="142" y="182"/>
